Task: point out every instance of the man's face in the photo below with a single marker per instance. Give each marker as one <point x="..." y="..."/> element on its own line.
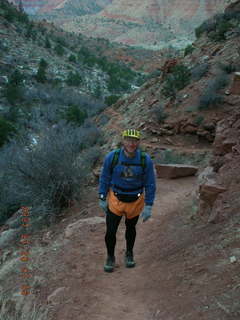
<point x="130" y="144"/>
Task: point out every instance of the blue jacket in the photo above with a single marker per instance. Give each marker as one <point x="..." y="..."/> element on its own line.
<point x="128" y="176"/>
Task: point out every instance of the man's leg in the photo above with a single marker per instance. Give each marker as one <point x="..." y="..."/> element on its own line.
<point x="112" y="223"/>
<point x="130" y="236"/>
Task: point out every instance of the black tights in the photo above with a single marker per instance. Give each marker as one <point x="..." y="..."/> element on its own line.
<point x="112" y="222"/>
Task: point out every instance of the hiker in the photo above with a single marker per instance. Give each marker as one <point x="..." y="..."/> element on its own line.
<point x="127" y="187"/>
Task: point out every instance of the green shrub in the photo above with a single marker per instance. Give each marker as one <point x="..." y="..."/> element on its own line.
<point x="206" y="26"/>
<point x="9" y="16"/>
<point x="189" y="49"/>
<point x="61" y="41"/>
<point x="170" y="156"/>
<point x="30" y="33"/>
<point x="72" y="58"/>
<point x="47" y="43"/>
<point x="221" y="28"/>
<point x="6" y="130"/>
<point x="217" y="26"/>
<point x="111" y="99"/>
<point x="59" y="50"/>
<point x="97" y="91"/>
<point x="13" y="90"/>
<point x="177" y="80"/>
<point x="76" y="115"/>
<point x="198" y="120"/>
<point x="209" y="99"/>
<point x="74" y="79"/>
<point x="227" y="67"/>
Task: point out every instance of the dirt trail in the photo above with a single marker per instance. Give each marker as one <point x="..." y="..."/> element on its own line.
<point x="123" y="294"/>
<point x="169" y="281"/>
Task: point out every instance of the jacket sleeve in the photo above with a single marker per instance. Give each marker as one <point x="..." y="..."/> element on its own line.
<point x="149" y="182"/>
<point x="105" y="176"/>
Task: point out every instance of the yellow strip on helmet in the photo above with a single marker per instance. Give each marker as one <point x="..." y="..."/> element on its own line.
<point x="131" y="133"/>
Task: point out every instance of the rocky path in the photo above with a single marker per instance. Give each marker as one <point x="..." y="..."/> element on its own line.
<point x="179" y="275"/>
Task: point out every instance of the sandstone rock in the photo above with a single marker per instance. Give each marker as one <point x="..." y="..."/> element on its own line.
<point x="7" y="237"/>
<point x="47" y="238"/>
<point x="189" y="128"/>
<point x="172" y="171"/>
<point x="210" y="192"/>
<point x="152" y="102"/>
<point x="235" y="88"/>
<point x="71" y="228"/>
<point x="209" y="126"/>
<point x="154" y="140"/>
<point x="223" y="146"/>
<point x="168" y="126"/>
<point x="58" y="296"/>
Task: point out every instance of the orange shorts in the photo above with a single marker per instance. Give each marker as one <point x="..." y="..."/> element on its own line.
<point x="129" y="209"/>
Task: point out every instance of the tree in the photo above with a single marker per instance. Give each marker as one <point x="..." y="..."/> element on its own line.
<point x="76" y="115"/>
<point x="13" y="90"/>
<point x="47" y="43"/>
<point x="6" y="129"/>
<point x="41" y="73"/>
<point x="59" y="50"/>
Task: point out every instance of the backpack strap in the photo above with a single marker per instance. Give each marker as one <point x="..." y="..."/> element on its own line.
<point x="143" y="159"/>
<point x="114" y="159"/>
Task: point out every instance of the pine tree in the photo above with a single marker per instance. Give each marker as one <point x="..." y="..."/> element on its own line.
<point x="41" y="73"/>
<point x="13" y="90"/>
<point x="47" y="43"/>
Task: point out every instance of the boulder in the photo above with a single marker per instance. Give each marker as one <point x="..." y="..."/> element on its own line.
<point x="57" y="296"/>
<point x="210" y="192"/>
<point x="235" y="87"/>
<point x="8" y="237"/>
<point x="74" y="227"/>
<point x="173" y="171"/>
<point x="189" y="128"/>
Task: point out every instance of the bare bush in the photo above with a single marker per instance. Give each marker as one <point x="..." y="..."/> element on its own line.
<point x="159" y="113"/>
<point x="199" y="70"/>
<point x="210" y="96"/>
<point x="47" y="94"/>
<point x="47" y="172"/>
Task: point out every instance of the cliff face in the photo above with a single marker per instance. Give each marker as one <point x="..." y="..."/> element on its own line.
<point x="151" y="24"/>
<point x="76" y="7"/>
<point x="148" y="23"/>
<point x="162" y="11"/>
<point x="179" y="17"/>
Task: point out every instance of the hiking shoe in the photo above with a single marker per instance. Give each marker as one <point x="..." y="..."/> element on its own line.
<point x="110" y="264"/>
<point x="129" y="261"/>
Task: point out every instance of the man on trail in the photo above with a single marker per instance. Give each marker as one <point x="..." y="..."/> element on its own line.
<point x="127" y="187"/>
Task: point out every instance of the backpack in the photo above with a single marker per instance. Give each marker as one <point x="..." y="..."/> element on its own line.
<point x="116" y="156"/>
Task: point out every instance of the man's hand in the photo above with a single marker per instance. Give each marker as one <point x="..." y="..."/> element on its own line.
<point x="103" y="204"/>
<point x="146" y="213"/>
